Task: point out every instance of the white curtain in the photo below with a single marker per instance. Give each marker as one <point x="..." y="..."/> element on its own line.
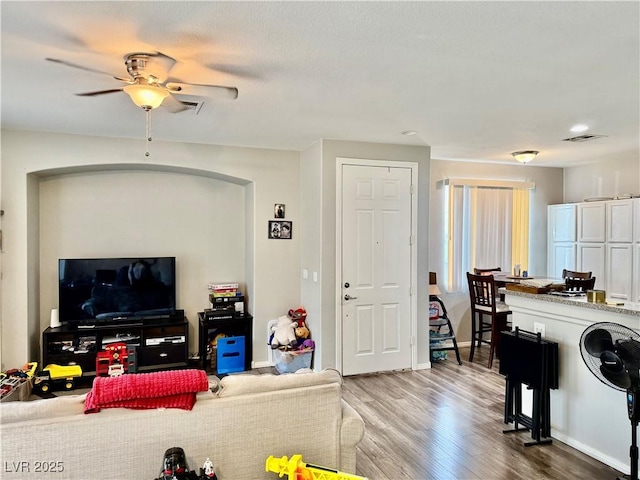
<point x="481" y="230"/>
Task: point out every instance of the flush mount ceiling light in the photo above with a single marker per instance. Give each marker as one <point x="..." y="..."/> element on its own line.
<point x="408" y="132"/>
<point x="525" y="156"/>
<point x="579" y="128"/>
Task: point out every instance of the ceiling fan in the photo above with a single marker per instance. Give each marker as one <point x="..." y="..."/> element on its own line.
<point x="149" y="84"/>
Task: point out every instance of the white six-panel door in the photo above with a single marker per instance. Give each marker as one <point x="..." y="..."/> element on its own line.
<point x="376" y="269"/>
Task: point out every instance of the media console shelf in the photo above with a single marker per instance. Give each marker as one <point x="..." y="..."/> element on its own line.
<point x="161" y="345"/>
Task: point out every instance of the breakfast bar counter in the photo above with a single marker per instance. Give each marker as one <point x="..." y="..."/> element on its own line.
<point x="585" y="413"/>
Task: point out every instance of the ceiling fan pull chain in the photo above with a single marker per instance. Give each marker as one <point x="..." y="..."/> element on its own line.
<point x="148" y="113"/>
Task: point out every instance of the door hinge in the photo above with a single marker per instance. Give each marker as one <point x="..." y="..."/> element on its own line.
<point x="411" y="237"/>
<point x="411" y="189"/>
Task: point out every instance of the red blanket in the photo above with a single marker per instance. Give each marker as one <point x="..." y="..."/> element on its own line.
<point x="166" y="389"/>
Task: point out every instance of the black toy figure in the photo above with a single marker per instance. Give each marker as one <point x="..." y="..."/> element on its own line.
<point x="175" y="467"/>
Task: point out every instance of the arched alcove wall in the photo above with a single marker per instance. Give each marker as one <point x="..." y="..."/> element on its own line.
<point x="70" y="196"/>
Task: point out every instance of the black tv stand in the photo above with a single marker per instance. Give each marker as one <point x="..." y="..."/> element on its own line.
<point x="132" y="321"/>
<point x="159" y="344"/>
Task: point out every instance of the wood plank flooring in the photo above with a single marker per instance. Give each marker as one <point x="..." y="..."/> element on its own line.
<point x="447" y="423"/>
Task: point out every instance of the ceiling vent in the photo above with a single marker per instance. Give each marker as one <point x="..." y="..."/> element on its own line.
<point x="193" y="106"/>
<point x="582" y="138"/>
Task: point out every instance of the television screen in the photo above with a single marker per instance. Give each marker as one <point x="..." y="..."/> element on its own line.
<point x="116" y="289"/>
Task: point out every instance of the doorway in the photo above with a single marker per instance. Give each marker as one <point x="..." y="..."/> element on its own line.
<point x="376" y="252"/>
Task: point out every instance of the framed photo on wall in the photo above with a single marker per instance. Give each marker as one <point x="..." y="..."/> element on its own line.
<point x="280" y="230"/>
<point x="278" y="210"/>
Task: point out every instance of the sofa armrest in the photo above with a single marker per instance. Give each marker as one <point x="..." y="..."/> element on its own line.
<point x="351" y="433"/>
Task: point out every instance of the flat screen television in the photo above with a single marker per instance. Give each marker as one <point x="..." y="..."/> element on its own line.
<point x="116" y="290"/>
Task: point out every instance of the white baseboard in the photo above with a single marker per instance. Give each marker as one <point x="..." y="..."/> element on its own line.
<point x="607" y="460"/>
<point x="263" y="364"/>
<point x="423" y="366"/>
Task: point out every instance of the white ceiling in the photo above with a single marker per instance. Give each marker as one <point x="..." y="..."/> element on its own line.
<point x="476" y="80"/>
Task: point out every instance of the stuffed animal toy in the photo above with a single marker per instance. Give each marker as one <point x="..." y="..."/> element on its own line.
<point x="284" y="334"/>
<point x="308" y="344"/>
<point x="302" y="333"/>
<point x="299" y="315"/>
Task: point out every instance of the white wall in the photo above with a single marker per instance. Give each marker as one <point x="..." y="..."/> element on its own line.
<point x="325" y="224"/>
<point x="604" y="179"/>
<point x="29" y="160"/>
<point x="311" y="243"/>
<point x="144" y="214"/>
<point x="548" y="191"/>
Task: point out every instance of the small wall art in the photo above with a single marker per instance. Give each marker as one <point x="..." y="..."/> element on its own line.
<point x="278" y="210"/>
<point x="280" y="229"/>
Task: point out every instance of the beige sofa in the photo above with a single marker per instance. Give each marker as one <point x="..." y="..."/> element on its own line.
<point x="249" y="418"/>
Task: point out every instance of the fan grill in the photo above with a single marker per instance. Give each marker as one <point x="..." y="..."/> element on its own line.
<point x="615" y="349"/>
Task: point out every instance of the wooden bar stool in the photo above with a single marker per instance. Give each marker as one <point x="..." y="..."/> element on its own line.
<point x="488" y="314"/>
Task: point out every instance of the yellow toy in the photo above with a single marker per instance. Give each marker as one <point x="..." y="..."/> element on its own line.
<point x="296" y="469"/>
<point x="53" y="374"/>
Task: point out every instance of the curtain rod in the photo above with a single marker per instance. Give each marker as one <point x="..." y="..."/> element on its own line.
<point x="488" y="183"/>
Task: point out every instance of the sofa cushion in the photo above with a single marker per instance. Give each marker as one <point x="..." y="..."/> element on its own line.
<point x="245" y="384"/>
<point x="42" y="409"/>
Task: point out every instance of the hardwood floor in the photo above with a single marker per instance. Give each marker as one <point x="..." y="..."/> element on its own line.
<point x="447" y="423"/>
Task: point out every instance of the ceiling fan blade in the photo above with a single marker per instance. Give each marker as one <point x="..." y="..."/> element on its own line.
<point x="75" y="65"/>
<point x="99" y="92"/>
<point x="176" y="86"/>
<point x="168" y="61"/>
<point x="235" y="70"/>
<point x="173" y="105"/>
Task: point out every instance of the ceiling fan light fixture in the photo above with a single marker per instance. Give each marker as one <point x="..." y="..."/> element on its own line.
<point x="146" y="96"/>
<point x="525" y="156"/>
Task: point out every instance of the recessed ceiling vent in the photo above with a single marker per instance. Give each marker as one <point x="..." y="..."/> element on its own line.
<point x="192" y="106"/>
<point x="582" y="138"/>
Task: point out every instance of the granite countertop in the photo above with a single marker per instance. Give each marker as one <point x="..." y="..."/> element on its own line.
<point x="629" y="308"/>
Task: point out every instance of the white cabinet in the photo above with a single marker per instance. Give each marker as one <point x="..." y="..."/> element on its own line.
<point x="636" y="226"/>
<point x="562" y="222"/>
<point x="591" y="258"/>
<point x="636" y="273"/>
<point x="561" y="256"/>
<point x="591" y="222"/>
<point x="619" y="271"/>
<point x="561" y="247"/>
<point x="620" y="220"/>
<point x="607" y="243"/>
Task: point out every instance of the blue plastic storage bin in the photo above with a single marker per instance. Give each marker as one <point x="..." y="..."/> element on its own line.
<point x="230" y="355"/>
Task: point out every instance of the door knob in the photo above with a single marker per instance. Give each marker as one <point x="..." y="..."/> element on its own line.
<point x="349" y="297"/>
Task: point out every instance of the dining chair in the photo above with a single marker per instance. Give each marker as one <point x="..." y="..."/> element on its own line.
<point x="485" y="303"/>
<point x="486" y="271"/>
<point x="579" y="284"/>
<point x="571" y="274"/>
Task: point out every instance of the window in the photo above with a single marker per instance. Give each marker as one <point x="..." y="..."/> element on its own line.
<point x="487" y="225"/>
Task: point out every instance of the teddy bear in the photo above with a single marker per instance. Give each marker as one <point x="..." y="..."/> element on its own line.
<point x="302" y="332"/>
<point x="284" y="334"/>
